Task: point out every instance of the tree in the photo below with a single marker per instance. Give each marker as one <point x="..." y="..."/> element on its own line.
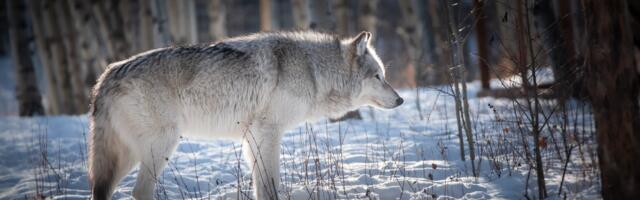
<point x="459" y="79"/>
<point x="74" y="66"/>
<point x="322" y="18"/>
<point x="182" y="21"/>
<point x="613" y="90"/>
<point x="341" y="8"/>
<point x="111" y="28"/>
<point x="301" y="14"/>
<point x="411" y="32"/>
<point x="54" y="96"/>
<point x="441" y="51"/>
<point x="217" y="19"/>
<point x="266" y="16"/>
<point x="547" y="27"/>
<point x="27" y="93"/>
<point x="91" y="58"/>
<point x="58" y="61"/>
<point x="146" y="25"/>
<point x="367" y="19"/>
<point x="483" y="43"/>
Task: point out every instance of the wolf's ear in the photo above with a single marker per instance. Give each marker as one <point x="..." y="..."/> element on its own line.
<point x="361" y="42"/>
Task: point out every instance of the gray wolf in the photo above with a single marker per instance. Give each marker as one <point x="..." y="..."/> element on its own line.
<point x="250" y="88"/>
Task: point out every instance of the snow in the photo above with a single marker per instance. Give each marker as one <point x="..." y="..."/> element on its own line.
<point x="390" y="154"/>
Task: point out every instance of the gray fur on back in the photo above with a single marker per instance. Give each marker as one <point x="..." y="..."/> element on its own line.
<point x="288" y="61"/>
<point x="251" y="88"/>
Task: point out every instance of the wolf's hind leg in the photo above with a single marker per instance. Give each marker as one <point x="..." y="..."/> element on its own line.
<point x="109" y="159"/>
<point x="154" y="157"/>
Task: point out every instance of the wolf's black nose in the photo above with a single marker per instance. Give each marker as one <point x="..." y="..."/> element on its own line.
<point x="399" y="101"/>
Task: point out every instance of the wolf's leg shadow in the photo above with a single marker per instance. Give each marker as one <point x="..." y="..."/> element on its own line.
<point x="261" y="149"/>
<point x="155" y="154"/>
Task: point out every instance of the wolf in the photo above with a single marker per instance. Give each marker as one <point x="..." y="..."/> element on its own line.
<point x="250" y="88"/>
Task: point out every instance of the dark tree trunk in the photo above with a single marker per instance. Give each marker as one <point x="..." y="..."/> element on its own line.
<point x="4" y="25"/>
<point x="74" y="67"/>
<point x="27" y="92"/>
<point x="613" y="90"/>
<point x="576" y="82"/>
<point x="54" y="95"/>
<point x="547" y="27"/>
<point x="58" y="61"/>
<point x="483" y="43"/>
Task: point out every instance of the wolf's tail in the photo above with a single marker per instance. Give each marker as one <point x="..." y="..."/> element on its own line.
<point x="107" y="160"/>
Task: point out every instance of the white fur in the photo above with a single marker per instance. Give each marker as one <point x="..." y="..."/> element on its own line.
<point x="149" y="119"/>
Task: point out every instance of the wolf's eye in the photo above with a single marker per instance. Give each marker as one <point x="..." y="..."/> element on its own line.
<point x="377" y="76"/>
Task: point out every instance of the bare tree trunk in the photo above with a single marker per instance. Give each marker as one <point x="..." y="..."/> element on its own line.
<point x="322" y="18"/>
<point x="54" y="101"/>
<point x="411" y="33"/>
<point x="301" y="14"/>
<point x="131" y="13"/>
<point x="74" y="66"/>
<point x="4" y="25"/>
<point x="521" y="58"/>
<point x="483" y="43"/>
<point x="442" y="50"/>
<point x="111" y="27"/>
<point x="547" y="26"/>
<point x="160" y="23"/>
<point x="462" y="102"/>
<point x="189" y="11"/>
<point x="27" y="93"/>
<point x="182" y="21"/>
<point x="524" y="28"/>
<point x="217" y="19"/>
<point x="367" y="19"/>
<point x="342" y="17"/>
<point x="576" y="81"/>
<point x="58" y="58"/>
<point x="147" y="36"/>
<point x="613" y="90"/>
<point x="266" y="15"/>
<point x="87" y="42"/>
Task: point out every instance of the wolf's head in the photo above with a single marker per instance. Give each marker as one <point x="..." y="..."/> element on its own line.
<point x="374" y="89"/>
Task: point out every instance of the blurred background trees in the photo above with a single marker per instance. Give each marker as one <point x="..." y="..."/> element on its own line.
<point x="60" y="47"/>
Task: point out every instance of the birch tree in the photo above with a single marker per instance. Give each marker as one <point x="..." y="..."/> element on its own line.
<point x="301" y="14"/>
<point x="27" y="93"/>
<point x="460" y="83"/>
<point x="266" y="15"/>
<point x="217" y="19"/>
<point x="55" y="105"/>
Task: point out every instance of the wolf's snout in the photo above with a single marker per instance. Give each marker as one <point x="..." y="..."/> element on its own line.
<point x="399" y="101"/>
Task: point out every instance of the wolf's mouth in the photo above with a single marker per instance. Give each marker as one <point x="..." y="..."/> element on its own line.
<point x="379" y="103"/>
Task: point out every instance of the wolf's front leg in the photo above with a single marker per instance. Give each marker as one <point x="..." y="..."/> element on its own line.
<point x="261" y="149"/>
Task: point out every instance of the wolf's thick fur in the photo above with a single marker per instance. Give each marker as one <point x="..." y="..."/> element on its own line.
<point x="250" y="88"/>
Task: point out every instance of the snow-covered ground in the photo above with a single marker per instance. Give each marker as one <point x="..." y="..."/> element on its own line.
<point x="391" y="154"/>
